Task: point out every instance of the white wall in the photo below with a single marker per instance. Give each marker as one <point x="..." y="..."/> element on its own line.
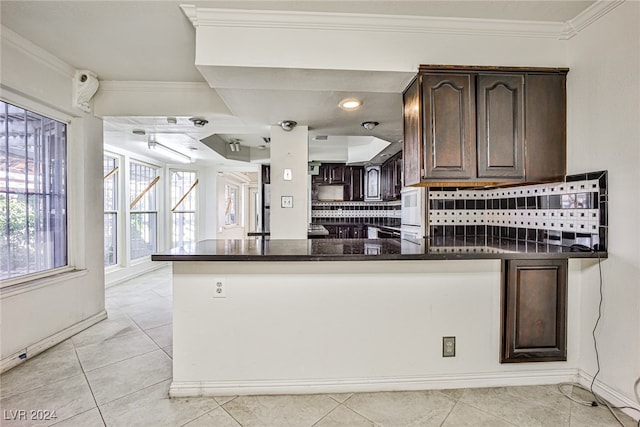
<point x="604" y="134"/>
<point x="312" y="327"/>
<point x="289" y="150"/>
<point x="47" y="311"/>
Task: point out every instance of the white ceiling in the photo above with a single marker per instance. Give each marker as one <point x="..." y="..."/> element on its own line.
<point x="154" y="41"/>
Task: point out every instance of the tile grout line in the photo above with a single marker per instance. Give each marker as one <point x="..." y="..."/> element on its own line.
<point x="88" y="385"/>
<point x="355" y="411"/>
<point x="200" y="416"/>
<point x="455" y="403"/>
<point x="488" y="413"/>
<point x="327" y="414"/>
<point x="229" y="413"/>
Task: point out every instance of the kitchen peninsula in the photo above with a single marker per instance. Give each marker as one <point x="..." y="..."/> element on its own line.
<point x="500" y="273"/>
<point x="344" y="315"/>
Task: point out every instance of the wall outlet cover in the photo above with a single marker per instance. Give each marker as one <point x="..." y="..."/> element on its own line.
<point x="448" y="346"/>
<point x="286" y="202"/>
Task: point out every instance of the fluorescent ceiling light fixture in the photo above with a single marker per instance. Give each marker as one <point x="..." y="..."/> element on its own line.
<point x="350" y="104"/>
<point x="234" y="145"/>
<point x="168" y="152"/>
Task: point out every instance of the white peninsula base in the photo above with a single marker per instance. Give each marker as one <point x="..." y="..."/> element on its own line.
<point x="346" y="326"/>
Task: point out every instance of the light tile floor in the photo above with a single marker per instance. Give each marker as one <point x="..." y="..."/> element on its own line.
<point x="117" y="373"/>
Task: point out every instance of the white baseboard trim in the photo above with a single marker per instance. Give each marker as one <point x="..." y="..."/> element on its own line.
<point x="119" y="275"/>
<point x="609" y="394"/>
<point x="360" y="385"/>
<point x="14" y="360"/>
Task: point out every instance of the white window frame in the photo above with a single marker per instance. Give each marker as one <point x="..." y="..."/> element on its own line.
<point x="41" y="278"/>
<point x="120" y="217"/>
<point x="158" y="211"/>
<point x="170" y="209"/>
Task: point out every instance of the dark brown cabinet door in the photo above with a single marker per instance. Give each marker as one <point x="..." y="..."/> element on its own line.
<point x="449" y="126"/>
<point x="534" y="299"/>
<point x="500" y="132"/>
<point x="355" y="183"/>
<point x="546" y="126"/>
<point x="413" y="158"/>
<point x="372" y="189"/>
<point x="337" y="174"/>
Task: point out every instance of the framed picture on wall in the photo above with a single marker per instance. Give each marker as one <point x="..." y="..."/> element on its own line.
<point x="230" y="205"/>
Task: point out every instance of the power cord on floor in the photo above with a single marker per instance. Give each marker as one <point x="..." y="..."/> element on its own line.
<point x="598" y="400"/>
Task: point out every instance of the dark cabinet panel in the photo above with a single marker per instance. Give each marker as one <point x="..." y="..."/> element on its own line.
<point x="337" y="173"/>
<point x="534" y="298"/>
<point x="359" y="232"/>
<point x="500" y="115"/>
<point x="480" y="125"/>
<point x="372" y="190"/>
<point x="413" y="158"/>
<point x="449" y="126"/>
<point x="391" y="177"/>
<point x="546" y="127"/>
<point x="355" y="183"/>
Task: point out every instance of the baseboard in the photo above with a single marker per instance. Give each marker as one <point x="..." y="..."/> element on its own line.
<point x="44" y="344"/>
<point x="609" y="394"/>
<point x="361" y="385"/>
<point x="120" y="275"/>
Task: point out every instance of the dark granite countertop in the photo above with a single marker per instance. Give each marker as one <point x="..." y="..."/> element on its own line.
<point x="262" y="249"/>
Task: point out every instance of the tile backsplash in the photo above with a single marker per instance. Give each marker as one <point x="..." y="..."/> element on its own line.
<point x="561" y="213"/>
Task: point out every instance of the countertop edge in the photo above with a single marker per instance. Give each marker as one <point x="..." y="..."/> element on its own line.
<point x="385" y="257"/>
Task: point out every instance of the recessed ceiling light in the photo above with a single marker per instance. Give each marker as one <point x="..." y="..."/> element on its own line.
<point x="350" y="104"/>
<point x="369" y="125"/>
<point x="199" y="121"/>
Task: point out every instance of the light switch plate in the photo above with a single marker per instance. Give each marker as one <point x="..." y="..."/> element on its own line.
<point x="288" y="175"/>
<point x="286" y="202"/>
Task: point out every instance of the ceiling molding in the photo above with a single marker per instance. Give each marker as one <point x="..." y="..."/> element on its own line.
<point x="191" y="12"/>
<point x="36" y="52"/>
<point x="293" y="20"/>
<point x="370" y="23"/>
<point x="144" y="86"/>
<point x="588" y="16"/>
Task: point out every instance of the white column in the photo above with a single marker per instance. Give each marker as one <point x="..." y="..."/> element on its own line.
<point x="290" y="152"/>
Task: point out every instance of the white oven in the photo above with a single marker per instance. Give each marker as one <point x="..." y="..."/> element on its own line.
<point x="414" y="215"/>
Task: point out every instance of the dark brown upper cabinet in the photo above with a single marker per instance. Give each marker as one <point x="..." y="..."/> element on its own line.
<point x="479" y="125"/>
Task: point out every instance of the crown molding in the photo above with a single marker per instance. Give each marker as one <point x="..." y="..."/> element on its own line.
<point x="191" y="12"/>
<point x="233" y="18"/>
<point x="268" y="19"/>
<point x="144" y="86"/>
<point x="25" y="46"/>
<point x="588" y="16"/>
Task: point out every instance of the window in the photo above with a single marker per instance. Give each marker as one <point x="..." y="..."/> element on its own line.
<point x="183" y="208"/>
<point x="33" y="193"/>
<point x="230" y="204"/>
<point x="110" y="169"/>
<point x="144" y="212"/>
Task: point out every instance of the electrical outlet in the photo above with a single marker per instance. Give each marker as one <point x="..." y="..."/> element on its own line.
<point x="219" y="288"/>
<point x="448" y="346"/>
<point x="286" y="202"/>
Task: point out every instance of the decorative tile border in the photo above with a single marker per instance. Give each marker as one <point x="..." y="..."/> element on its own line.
<point x="387" y="213"/>
<point x="563" y="213"/>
